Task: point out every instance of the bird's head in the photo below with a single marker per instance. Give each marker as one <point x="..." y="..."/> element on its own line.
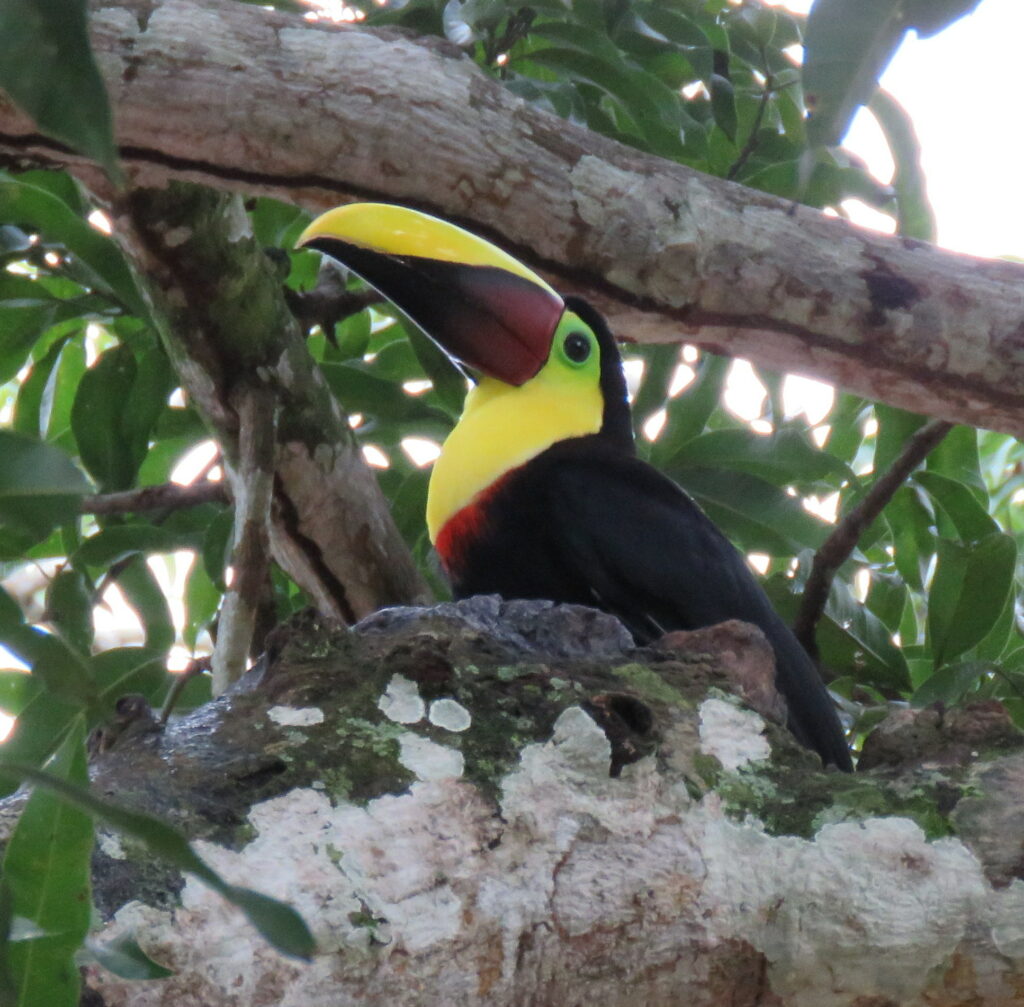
<point x="545" y="368"/>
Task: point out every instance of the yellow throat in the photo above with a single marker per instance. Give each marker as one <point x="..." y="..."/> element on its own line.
<point x="503" y="426"/>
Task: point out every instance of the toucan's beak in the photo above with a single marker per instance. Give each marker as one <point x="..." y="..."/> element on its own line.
<point x="480" y="305"/>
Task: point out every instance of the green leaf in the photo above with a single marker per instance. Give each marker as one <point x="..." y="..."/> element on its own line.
<point x="915" y="217"/>
<point x="279" y="923"/>
<point x="968" y="593"/>
<point x="66" y="674"/>
<point x="47" y="67"/>
<point x="115" y="543"/>
<point x="957" y="456"/>
<point x="972" y="521"/>
<point x="17" y="690"/>
<point x="359" y="391"/>
<point x="96" y="419"/>
<point x="47" y="865"/>
<point x="39" y="487"/>
<point x="784" y="457"/>
<point x="216" y="550"/>
<point x="847" y="45"/>
<point x="758" y="514"/>
<point x="28" y="405"/>
<point x="448" y="381"/>
<point x="46" y="718"/>
<point x="143" y="592"/>
<point x="850" y="638"/>
<point x="69" y="607"/>
<point x="124" y="670"/>
<point x="653" y="107"/>
<point x="126" y="959"/>
<point x="950" y="684"/>
<point x="36" y="209"/>
<point x="846" y="48"/>
<point x="660" y="363"/>
<point x="689" y="413"/>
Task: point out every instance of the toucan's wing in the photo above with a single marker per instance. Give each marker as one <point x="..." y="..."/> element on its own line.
<point x="652" y="557"/>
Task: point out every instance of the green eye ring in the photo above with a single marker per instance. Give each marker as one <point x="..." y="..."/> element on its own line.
<point x="577" y="347"/>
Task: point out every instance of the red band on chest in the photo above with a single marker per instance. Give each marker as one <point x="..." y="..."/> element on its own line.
<point x="465" y="526"/>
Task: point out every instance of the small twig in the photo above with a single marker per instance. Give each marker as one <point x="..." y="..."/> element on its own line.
<point x="751" y="145"/>
<point x="168" y="496"/>
<point x="252" y="480"/>
<point x="328" y="303"/>
<point x="195" y="667"/>
<point x="838" y="547"/>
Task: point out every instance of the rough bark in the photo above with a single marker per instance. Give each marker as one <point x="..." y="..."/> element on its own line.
<point x="503" y="803"/>
<point x="219" y="305"/>
<point x="256" y="101"/>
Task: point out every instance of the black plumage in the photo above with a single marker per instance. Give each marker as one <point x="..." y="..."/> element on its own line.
<point x="587" y="521"/>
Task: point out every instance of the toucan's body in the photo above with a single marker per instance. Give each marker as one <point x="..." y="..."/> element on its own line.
<point x="538" y="492"/>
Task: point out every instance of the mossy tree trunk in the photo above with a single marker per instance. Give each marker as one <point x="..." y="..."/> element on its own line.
<point x="504" y="803"/>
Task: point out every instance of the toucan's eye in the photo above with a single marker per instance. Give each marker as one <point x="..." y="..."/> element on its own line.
<point x="577" y="347"/>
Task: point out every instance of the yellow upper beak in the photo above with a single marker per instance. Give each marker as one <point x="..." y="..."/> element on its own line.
<point x="397" y="230"/>
<point x="480" y="305"/>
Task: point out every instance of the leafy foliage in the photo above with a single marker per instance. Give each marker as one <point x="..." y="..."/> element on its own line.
<point x="926" y="609"/>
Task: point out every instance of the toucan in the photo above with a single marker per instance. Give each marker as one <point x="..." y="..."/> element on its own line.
<point x="538" y="491"/>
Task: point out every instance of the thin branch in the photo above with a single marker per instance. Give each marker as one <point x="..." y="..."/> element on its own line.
<point x="196" y="666"/>
<point x="328" y="303"/>
<point x="838" y="547"/>
<point x="168" y="496"/>
<point x="752" y="141"/>
<point x="253" y="483"/>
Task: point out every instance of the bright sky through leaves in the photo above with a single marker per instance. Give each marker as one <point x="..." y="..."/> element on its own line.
<point x="970" y="148"/>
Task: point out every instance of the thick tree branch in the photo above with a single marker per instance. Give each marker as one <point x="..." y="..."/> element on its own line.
<point x="262" y="102"/>
<point x="501" y="804"/>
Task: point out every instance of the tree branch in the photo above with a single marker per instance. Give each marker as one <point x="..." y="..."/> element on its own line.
<point x="839" y="546"/>
<point x="225" y="325"/>
<point x="253" y="481"/>
<point x="169" y="496"/>
<point x="668" y="254"/>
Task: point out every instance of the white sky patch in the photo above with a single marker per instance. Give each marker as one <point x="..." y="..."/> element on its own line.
<point x="450" y="715"/>
<point x="827" y="508"/>
<point x="682" y="378"/>
<point x="744" y="394"/>
<point x="805" y="395"/>
<point x="421" y="450"/>
<point x="402" y="701"/>
<point x="427" y="759"/>
<point x="375" y="457"/>
<point x="654" y="424"/>
<point x="195" y="461"/>
<point x="418" y="386"/>
<point x="759" y="561"/>
<point x="101" y="222"/>
<point x="732" y="735"/>
<point x="966" y="166"/>
<point x="296" y="716"/>
<point x="633" y="368"/>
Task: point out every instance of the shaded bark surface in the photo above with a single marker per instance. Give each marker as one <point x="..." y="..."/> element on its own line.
<point x="505" y="803"/>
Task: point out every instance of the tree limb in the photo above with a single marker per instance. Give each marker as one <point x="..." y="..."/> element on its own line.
<point x="169" y="496"/>
<point x="225" y="324"/>
<point x="252" y="479"/>
<point x="262" y="102"/>
<point x="502" y="804"/>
